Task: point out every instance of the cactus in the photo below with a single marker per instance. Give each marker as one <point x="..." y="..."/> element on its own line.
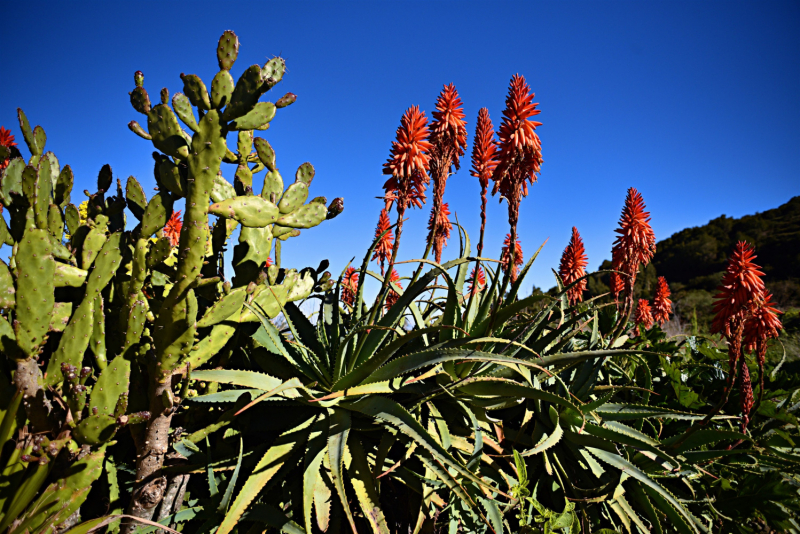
<point x="97" y="305"/>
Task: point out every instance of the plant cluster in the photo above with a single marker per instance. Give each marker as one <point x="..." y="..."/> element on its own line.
<point x="135" y="373"/>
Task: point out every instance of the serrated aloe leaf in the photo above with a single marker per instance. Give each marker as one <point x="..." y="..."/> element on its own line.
<point x="366" y="494"/>
<point x="269" y="515"/>
<point x="338" y="433"/>
<point x="683" y="518"/>
<point x="704" y="437"/>
<point x="493" y="514"/>
<point x="317" y="450"/>
<point x="231" y="395"/>
<point x="226" y="498"/>
<point x="391" y="412"/>
<point x="547" y="441"/>
<point x="272" y="461"/>
<point x="622" y="412"/>
<point x="247" y="379"/>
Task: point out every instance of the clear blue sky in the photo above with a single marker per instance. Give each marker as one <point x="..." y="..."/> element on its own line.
<point x="694" y="103"/>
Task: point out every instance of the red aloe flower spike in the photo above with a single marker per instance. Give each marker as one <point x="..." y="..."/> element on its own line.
<point x="448" y="140"/>
<point x="448" y="128"/>
<point x="573" y="266"/>
<point x="408" y="161"/>
<point x="662" y="305"/>
<point x="484" y="150"/>
<point x="519" y="155"/>
<point x="644" y="315"/>
<point x="504" y="257"/>
<point x="392" y="296"/>
<point x="762" y="325"/>
<point x="6" y="140"/>
<point x="172" y="230"/>
<point x="439" y="227"/>
<point x="383" y="250"/>
<point x="349" y="286"/>
<point x="476" y="285"/>
<point x="742" y="287"/>
<point x="635" y="245"/>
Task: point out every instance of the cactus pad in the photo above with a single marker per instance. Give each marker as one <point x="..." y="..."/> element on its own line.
<point x="166" y="132"/>
<point x="35" y="297"/>
<point x="195" y="89"/>
<point x="293" y="198"/>
<point x="135" y="197"/>
<point x="63" y="186"/>
<point x="183" y="108"/>
<point x="250" y="211"/>
<point x="261" y="114"/>
<point x="156" y="215"/>
<point x="221" y="89"/>
<point x="286" y="100"/>
<point x="140" y="100"/>
<point x="227" y="50"/>
<point x="223" y="308"/>
<point x="306" y="216"/>
<point x="73" y="342"/>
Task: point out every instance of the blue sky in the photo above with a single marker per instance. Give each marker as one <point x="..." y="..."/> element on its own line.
<point x="694" y="103"/>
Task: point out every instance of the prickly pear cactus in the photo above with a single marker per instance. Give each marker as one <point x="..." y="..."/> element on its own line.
<point x="106" y="306"/>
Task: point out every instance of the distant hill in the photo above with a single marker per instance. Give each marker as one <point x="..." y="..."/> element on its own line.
<point x="694" y="259"/>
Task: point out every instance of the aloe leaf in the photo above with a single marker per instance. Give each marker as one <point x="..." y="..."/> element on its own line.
<point x="305" y="330"/>
<point x="622" y="412"/>
<point x="362" y="482"/>
<point x="269" y="338"/>
<point x="704" y="437"/>
<point x="501" y="387"/>
<point x="272" y="516"/>
<point x="682" y="519"/>
<point x="493" y="514"/>
<point x="247" y="379"/>
<point x="231" y="395"/>
<point x="512" y="294"/>
<point x="441" y="425"/>
<point x="389" y="411"/>
<point x="640" y="498"/>
<point x="226" y="499"/>
<point x="337" y="442"/>
<point x="548" y="441"/>
<point x="464" y="243"/>
<point x="263" y="472"/>
<point x="442" y="473"/>
<point x="317" y="449"/>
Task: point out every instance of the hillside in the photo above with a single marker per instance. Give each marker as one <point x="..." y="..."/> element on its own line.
<point x="693" y="260"/>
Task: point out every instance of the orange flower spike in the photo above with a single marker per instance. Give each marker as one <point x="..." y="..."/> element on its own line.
<point x="349" y="286"/>
<point x="408" y="161"/>
<point x="476" y="284"/>
<point x="573" y="266"/>
<point x="392" y="296"/>
<point x="518" y="257"/>
<point x="439" y="226"/>
<point x="742" y="287"/>
<point x="745" y="394"/>
<point x="636" y="239"/>
<point x="448" y="128"/>
<point x="644" y="314"/>
<point x="484" y="150"/>
<point x="172" y="230"/>
<point x="662" y="305"/>
<point x="762" y="325"/>
<point x="519" y="148"/>
<point x="6" y="140"/>
<point x="383" y="250"/>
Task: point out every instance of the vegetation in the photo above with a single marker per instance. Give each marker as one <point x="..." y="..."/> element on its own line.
<point x="142" y="390"/>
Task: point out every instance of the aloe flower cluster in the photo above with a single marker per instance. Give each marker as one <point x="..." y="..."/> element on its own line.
<point x="573" y="267"/>
<point x="743" y="308"/>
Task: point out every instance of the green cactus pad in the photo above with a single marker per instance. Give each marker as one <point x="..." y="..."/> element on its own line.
<point x="245" y="94"/>
<point x="96" y="429"/>
<point x="224" y="308"/>
<point x="243" y="179"/>
<point x="253" y="249"/>
<point x="211" y="344"/>
<point x="272" y="73"/>
<point x="221" y="89"/>
<point x="7" y="290"/>
<point x="273" y="186"/>
<point x="156" y="215"/>
<point x="69" y="276"/>
<point x="105" y="178"/>
<point x="136" y="128"/>
<point x="55" y="222"/>
<point x="222" y="190"/>
<point x="12" y="180"/>
<point x="294" y="197"/>
<point x="135" y="197"/>
<point x="138" y="78"/>
<point x="167" y="134"/>
<point x="60" y="317"/>
<point x="175" y="340"/>
<point x="69" y="492"/>
<point x="265" y="153"/>
<point x="164" y="95"/>
<point x="261" y="114"/>
<point x="183" y="108"/>
<point x="73" y="218"/>
<point x="159" y="251"/>
<point x="5" y="234"/>
<point x="55" y="169"/>
<point x="27" y="133"/>
<point x="306" y="216"/>
<point x="30" y="183"/>
<point x="249" y="211"/>
<point x="305" y="173"/>
<point x="195" y="89"/>
<point x="106" y="264"/>
<point x="286" y="100"/>
<point x="94" y="241"/>
<point x="73" y="342"/>
<point x="111" y="383"/>
<point x="302" y="288"/>
<point x="140" y="100"/>
<point x="63" y="187"/>
<point x="244" y="144"/>
<point x="136" y="319"/>
<point x="172" y="177"/>
<point x="42" y="194"/>
<point x="97" y="341"/>
<point x="41" y="139"/>
<point x="291" y="233"/>
<point x="35" y="297"/>
<point x="227" y="50"/>
<point x="319" y="200"/>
